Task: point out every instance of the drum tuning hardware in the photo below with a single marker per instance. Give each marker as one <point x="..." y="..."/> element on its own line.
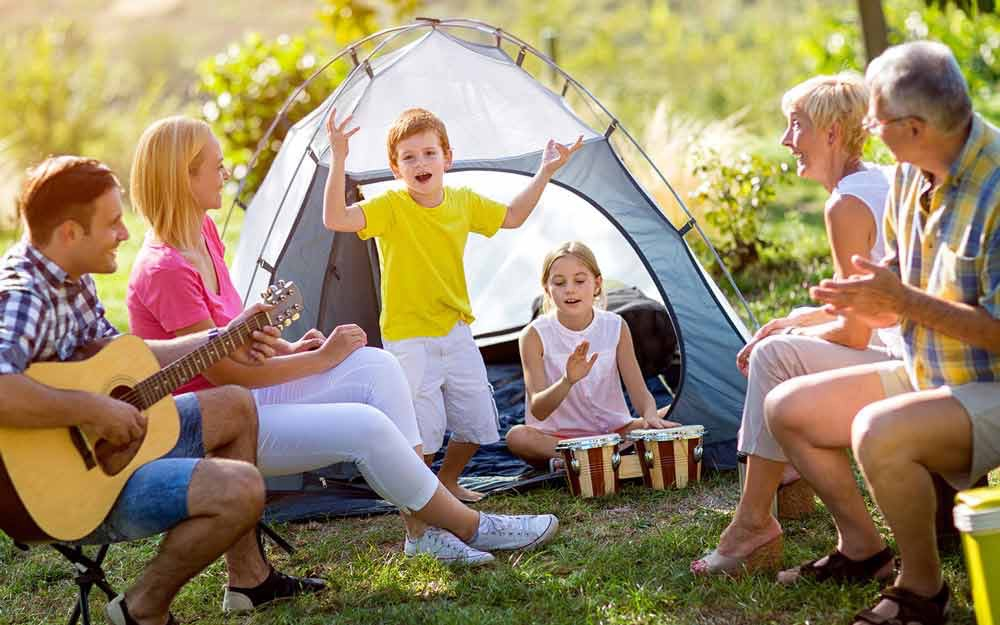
<point x="574" y="464"/>
<point x="699" y="451"/>
<point x="648" y="458"/>
<point x="616" y="460"/>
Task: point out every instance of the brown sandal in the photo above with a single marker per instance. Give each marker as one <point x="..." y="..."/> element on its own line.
<point x="839" y="568"/>
<point x="912" y="608"/>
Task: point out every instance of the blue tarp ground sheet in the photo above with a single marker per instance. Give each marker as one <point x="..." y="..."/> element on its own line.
<point x="339" y="491"/>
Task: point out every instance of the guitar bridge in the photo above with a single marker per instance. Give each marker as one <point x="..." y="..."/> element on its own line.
<point x="83" y="448"/>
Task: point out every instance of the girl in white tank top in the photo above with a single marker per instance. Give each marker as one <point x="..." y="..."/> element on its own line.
<point x="575" y="358"/>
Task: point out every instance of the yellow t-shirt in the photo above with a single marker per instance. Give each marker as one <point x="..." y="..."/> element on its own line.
<point x="421" y="250"/>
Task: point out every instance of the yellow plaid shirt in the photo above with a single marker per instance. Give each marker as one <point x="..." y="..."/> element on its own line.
<point x="947" y="243"/>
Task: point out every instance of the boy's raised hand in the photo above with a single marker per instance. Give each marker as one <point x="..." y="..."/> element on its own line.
<point x="556" y="155"/>
<point x="338" y="134"/>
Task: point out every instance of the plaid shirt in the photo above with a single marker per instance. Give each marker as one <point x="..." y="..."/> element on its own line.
<point x="947" y="243"/>
<point x="43" y="314"/>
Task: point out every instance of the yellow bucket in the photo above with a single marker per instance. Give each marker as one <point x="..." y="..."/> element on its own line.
<point x="977" y="516"/>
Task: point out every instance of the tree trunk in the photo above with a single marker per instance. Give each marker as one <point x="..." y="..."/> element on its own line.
<point x="874" y="28"/>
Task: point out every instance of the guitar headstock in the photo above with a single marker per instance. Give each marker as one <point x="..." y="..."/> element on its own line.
<point x="287" y="302"/>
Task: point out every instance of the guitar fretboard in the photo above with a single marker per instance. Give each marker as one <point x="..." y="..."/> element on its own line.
<point x="167" y="380"/>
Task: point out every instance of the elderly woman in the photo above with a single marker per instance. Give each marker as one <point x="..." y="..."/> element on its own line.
<point x="826" y="136"/>
<point x="324" y="399"/>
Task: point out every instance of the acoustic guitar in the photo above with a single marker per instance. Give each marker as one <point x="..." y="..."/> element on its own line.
<point x="58" y="484"/>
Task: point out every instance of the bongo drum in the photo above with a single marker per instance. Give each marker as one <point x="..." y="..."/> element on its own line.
<point x="591" y="464"/>
<point x="669" y="457"/>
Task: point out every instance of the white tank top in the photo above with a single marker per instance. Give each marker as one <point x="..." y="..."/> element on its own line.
<point x="871" y="186"/>
<point x="595" y="404"/>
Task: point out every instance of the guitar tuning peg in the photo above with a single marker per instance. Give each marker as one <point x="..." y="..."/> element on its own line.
<point x="279" y="319"/>
<point x="281" y="284"/>
<point x="265" y="294"/>
<point x="282" y="298"/>
<point x="291" y="290"/>
<point x="288" y="322"/>
<point x="295" y="317"/>
<point x="298" y="307"/>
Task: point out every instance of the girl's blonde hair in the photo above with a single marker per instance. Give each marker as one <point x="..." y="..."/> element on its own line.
<point x="169" y="151"/>
<point x="583" y="254"/>
<point x="842" y="98"/>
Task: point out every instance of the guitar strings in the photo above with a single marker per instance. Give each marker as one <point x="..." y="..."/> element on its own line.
<point x="137" y="394"/>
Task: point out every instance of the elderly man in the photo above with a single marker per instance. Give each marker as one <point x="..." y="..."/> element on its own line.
<point x="937" y="410"/>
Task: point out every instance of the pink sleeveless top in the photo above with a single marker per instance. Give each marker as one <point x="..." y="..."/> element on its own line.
<point x="595" y="404"/>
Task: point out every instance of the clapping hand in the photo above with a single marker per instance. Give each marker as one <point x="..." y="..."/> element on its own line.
<point x="578" y="365"/>
<point x="556" y="155"/>
<point x="876" y="295"/>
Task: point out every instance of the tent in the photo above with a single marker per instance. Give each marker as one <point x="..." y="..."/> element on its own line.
<point x="499" y="115"/>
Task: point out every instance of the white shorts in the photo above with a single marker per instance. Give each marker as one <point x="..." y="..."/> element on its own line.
<point x="450" y="389"/>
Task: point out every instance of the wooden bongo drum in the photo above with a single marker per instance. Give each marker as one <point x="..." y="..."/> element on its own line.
<point x="591" y="464"/>
<point x="669" y="457"/>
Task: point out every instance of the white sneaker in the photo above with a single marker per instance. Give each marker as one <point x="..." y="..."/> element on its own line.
<point x="498" y="531"/>
<point x="446" y="547"/>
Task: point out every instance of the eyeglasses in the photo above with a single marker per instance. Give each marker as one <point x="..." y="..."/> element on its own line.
<point x="876" y="126"/>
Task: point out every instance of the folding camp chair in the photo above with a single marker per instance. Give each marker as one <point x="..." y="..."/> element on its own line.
<point x="90" y="571"/>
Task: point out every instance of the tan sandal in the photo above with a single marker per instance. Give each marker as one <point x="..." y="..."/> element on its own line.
<point x="766" y="557"/>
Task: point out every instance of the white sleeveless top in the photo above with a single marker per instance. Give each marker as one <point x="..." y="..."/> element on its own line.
<point x="595" y="404"/>
<point x="871" y="186"/>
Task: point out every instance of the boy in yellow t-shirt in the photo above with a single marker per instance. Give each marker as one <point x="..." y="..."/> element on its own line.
<point x="426" y="313"/>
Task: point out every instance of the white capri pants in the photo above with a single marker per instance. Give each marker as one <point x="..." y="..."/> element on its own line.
<point x="781" y="357"/>
<point x="359" y="411"/>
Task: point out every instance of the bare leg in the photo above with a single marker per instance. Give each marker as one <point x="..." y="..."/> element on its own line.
<point x="898" y="442"/>
<point x="531" y="444"/>
<point x="752" y="524"/>
<point x="414" y="526"/>
<point x="811" y="417"/>
<point x="229" y="426"/>
<point x="225" y="499"/>
<point x="456" y="456"/>
<point x="447" y="512"/>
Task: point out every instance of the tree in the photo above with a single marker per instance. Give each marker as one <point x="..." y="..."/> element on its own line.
<point x="873" y="27"/>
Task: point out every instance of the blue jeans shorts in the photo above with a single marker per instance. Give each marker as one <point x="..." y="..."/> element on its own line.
<point x="155" y="497"/>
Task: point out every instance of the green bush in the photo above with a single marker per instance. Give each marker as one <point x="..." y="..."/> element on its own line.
<point x="59" y="94"/>
<point x="243" y="88"/>
<point x="735" y="194"/>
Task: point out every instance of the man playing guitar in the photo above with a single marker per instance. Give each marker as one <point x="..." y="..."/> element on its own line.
<point x="205" y="493"/>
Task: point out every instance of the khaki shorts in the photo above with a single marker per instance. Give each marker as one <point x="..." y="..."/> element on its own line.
<point x="450" y="388"/>
<point x="981" y="401"/>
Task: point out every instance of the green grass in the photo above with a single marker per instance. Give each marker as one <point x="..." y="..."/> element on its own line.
<point x="617" y="560"/>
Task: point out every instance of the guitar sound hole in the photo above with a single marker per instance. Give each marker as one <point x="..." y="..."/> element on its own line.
<point x="114" y="459"/>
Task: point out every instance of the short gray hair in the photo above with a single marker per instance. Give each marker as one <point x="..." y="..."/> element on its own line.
<point x="922" y="79"/>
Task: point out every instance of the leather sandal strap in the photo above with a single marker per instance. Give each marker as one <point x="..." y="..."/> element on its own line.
<point x="839" y="567"/>
<point x="910" y="608"/>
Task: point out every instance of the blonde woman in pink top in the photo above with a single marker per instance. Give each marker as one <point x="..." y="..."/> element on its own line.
<point x="575" y="358"/>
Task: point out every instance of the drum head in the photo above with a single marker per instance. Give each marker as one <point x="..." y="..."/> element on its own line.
<point x="668" y="434"/>
<point x="589" y="442"/>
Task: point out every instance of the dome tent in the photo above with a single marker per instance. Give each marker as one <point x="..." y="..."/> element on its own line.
<point x="498" y="117"/>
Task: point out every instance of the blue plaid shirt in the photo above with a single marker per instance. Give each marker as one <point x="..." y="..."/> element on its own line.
<point x="43" y="314"/>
